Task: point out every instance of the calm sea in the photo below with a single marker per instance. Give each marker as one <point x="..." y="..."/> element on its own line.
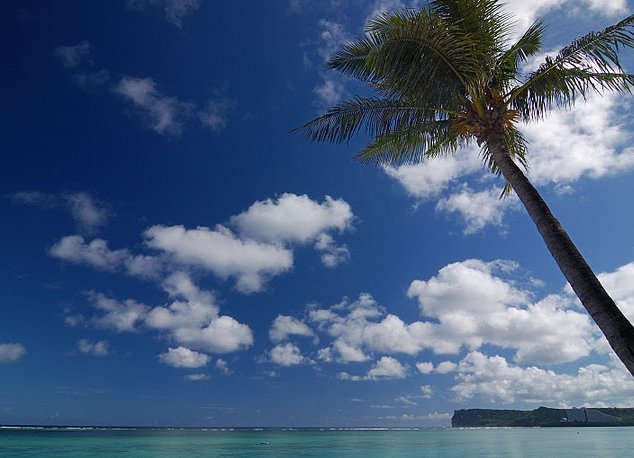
<point x="445" y="443"/>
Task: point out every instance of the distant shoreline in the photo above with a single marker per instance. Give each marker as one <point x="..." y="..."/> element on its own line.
<point x="544" y="417"/>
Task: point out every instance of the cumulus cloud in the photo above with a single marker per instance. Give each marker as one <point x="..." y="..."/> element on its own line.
<point x="285" y="326"/>
<point x="473" y="304"/>
<point x="287" y="354"/>
<point x="99" y="348"/>
<point x="293" y="218"/>
<point x="193" y="319"/>
<point x="11" y="352"/>
<point x="433" y="176"/>
<point x="425" y="367"/>
<point x="384" y="369"/>
<point x="219" y="250"/>
<point x="525" y="12"/>
<point x="192" y="307"/>
<point x="494" y="379"/>
<point x="468" y="304"/>
<point x="620" y="285"/>
<point x="478" y="209"/>
<point x="223" y="366"/>
<point x="222" y="335"/>
<point x="162" y="114"/>
<point x="331" y="254"/>
<point x="174" y="10"/>
<point x="445" y="367"/>
<point x="120" y="316"/>
<point x="262" y="247"/>
<point x="97" y="254"/>
<point x="184" y="357"/>
<point x="597" y="141"/>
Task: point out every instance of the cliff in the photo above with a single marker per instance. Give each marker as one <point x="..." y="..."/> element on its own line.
<point x="543" y="416"/>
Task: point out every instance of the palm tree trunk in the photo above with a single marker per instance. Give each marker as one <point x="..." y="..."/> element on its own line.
<point x="616" y="328"/>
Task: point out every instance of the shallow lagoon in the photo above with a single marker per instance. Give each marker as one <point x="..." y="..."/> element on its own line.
<point x="326" y="442"/>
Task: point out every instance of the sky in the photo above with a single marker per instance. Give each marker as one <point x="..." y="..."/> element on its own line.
<point x="172" y="255"/>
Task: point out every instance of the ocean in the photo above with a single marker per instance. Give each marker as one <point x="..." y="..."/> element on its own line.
<point x="317" y="442"/>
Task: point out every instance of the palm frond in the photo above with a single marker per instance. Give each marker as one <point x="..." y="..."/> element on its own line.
<point x="560" y="87"/>
<point x="412" y="145"/>
<point x="507" y="65"/>
<point x="480" y="21"/>
<point x="405" y="55"/>
<point x="375" y="116"/>
<point x="593" y="59"/>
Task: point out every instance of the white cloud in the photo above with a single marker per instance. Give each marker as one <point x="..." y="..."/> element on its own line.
<point x="89" y="214"/>
<point x="174" y="10"/>
<point x="597" y="141"/>
<point x="525" y="12"/>
<point x="196" y="377"/>
<point x="99" y="348"/>
<point x="329" y="92"/>
<point x="426" y="391"/>
<point x="284" y="326"/>
<point x="620" y="285"/>
<point x="445" y="367"/>
<point x="473" y="305"/>
<point x="355" y="330"/>
<point x="287" y="354"/>
<point x="73" y="56"/>
<point x="431" y="177"/>
<point x="331" y="89"/>
<point x="468" y="305"/>
<point x="494" y="379"/>
<point x="222" y="366"/>
<point x="425" y="367"/>
<point x="196" y="310"/>
<point x="222" y="335"/>
<point x="260" y="250"/>
<point x="184" y="357"/>
<point x="11" y="352"/>
<point x="478" y="209"/>
<point x="331" y="254"/>
<point x="123" y="316"/>
<point x="192" y="319"/>
<point x="219" y="250"/>
<point x="385" y="368"/>
<point x="332" y="36"/>
<point x="73" y="248"/>
<point x="293" y="219"/>
<point x="164" y="115"/>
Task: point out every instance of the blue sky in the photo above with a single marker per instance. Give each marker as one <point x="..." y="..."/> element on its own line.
<point x="172" y="255"/>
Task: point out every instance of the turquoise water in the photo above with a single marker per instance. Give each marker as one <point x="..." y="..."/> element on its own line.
<point x="433" y="443"/>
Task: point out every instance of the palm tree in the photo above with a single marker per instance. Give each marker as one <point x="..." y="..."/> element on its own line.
<point x="446" y="75"/>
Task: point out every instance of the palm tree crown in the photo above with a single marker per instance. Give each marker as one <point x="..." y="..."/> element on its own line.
<point x="447" y="75"/>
